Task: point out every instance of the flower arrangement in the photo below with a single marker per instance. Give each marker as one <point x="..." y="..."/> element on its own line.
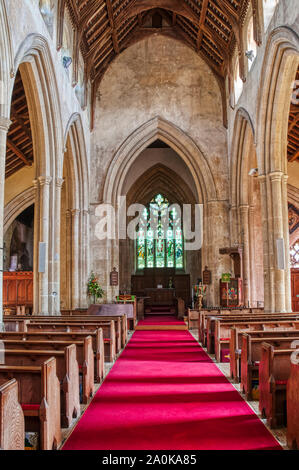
<point x="93" y="288"/>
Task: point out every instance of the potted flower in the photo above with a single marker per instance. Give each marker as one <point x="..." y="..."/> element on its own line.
<point x="94" y="289"/>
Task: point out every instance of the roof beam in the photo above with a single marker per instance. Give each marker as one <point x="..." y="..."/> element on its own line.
<point x="112" y="25"/>
<point x="18" y="152"/>
<point x="134" y="8"/>
<point x="204" y="9"/>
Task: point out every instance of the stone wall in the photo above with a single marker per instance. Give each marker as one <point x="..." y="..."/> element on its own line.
<point x="157" y="77"/>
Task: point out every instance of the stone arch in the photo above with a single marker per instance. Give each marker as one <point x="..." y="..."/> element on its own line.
<point x="34" y="61"/>
<point x="246" y="208"/>
<point x="180" y="142"/>
<point x="215" y="211"/>
<point x="16" y="206"/>
<point x="6" y="63"/>
<point x="273" y="104"/>
<point x="74" y="217"/>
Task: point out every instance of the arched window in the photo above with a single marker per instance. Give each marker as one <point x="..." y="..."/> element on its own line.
<point x="251" y="44"/>
<point x="269" y="7"/>
<point x="238" y="83"/>
<point x="294" y="253"/>
<point x="159" y="241"/>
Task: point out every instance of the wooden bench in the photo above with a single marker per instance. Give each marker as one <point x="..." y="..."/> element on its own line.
<point x="68" y="338"/>
<point x="207" y="323"/>
<point x="74" y="315"/>
<point x="274" y="371"/>
<point x="251" y="356"/>
<point x="119" y="325"/>
<point x="39" y="395"/>
<point x="27" y="353"/>
<point x="108" y="333"/>
<point x="84" y="357"/>
<point x="236" y="345"/>
<point x="121" y="333"/>
<point x="293" y="408"/>
<point x="223" y="330"/>
<point x="12" y="424"/>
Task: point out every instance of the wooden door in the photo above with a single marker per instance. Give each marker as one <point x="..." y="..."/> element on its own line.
<point x="295" y="289"/>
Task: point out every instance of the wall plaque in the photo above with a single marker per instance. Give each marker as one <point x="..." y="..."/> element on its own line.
<point x="114" y="278"/>
<point x="206" y="276"/>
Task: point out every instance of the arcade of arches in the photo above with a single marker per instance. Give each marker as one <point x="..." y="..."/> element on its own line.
<point x="165" y="103"/>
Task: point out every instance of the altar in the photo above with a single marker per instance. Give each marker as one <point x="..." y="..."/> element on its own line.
<point x="160" y="297"/>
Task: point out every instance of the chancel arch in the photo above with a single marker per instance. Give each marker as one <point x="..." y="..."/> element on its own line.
<point x="215" y="211"/>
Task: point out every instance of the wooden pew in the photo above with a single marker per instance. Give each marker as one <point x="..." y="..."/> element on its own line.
<point x="68" y="338"/>
<point x="108" y="332"/>
<point x="293" y="408"/>
<point x="39" y="395"/>
<point x="251" y="356"/>
<point x="119" y="326"/>
<point x="236" y="338"/>
<point x="84" y="357"/>
<point x="223" y="330"/>
<point x="16" y="323"/>
<point x="12" y="424"/>
<point x="27" y="353"/>
<point x="207" y="323"/>
<point x="274" y="371"/>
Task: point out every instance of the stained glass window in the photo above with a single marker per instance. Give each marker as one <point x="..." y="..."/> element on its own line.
<point x="159" y="236"/>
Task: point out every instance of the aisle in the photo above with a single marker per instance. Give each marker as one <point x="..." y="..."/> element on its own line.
<point x="164" y="393"/>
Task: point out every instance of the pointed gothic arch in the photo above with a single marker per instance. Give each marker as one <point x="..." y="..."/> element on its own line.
<point x="273" y="105"/>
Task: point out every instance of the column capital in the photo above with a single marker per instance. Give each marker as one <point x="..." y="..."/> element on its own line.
<point x="5" y="123"/>
<point x="44" y="180"/>
<point x="244" y="207"/>
<point x="75" y="212"/>
<point x="261" y="178"/>
<point x="276" y="175"/>
<point x="59" y="182"/>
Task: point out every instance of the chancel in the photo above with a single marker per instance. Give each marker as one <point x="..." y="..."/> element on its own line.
<point x="149" y="225"/>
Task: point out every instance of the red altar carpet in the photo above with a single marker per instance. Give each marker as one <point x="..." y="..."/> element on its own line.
<point x="164" y="393"/>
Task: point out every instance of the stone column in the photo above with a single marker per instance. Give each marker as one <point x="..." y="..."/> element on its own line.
<point x="75" y="258"/>
<point x="84" y="262"/>
<point x="244" y="219"/>
<point x="286" y="231"/>
<point x="44" y="219"/>
<point x="252" y="274"/>
<point x="55" y="283"/>
<point x="4" y="126"/>
<point x="269" y="301"/>
<point x="68" y="259"/>
<point x="36" y="248"/>
<point x="218" y="225"/>
<point x="278" y="232"/>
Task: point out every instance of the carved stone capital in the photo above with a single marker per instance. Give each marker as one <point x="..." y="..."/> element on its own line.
<point x="5" y="123"/>
<point x="44" y="180"/>
<point x="59" y="182"/>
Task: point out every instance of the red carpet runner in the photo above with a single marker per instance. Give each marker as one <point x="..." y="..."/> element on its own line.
<point x="164" y="393"/>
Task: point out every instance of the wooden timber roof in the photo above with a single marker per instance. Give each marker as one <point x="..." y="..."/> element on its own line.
<point x="19" y="150"/>
<point x="104" y="28"/>
<point x="293" y="131"/>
